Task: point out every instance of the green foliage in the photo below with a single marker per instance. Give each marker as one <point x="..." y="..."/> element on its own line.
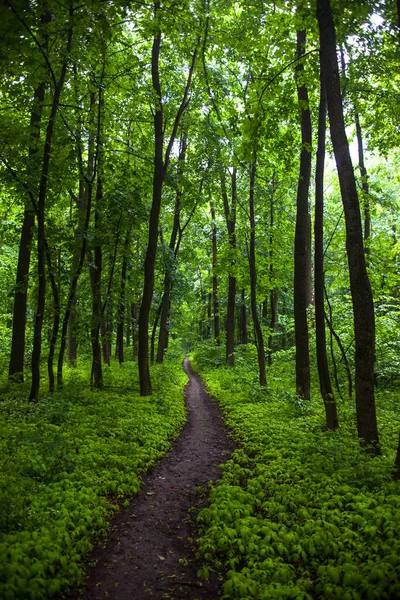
<point x="300" y="512"/>
<point x="68" y="463"/>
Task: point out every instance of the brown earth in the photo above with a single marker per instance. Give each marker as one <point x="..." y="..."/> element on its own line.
<point x="150" y="548"/>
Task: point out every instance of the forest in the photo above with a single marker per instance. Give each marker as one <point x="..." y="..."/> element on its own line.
<point x="217" y="179"/>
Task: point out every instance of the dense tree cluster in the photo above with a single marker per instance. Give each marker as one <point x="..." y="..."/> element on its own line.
<point x="162" y="173"/>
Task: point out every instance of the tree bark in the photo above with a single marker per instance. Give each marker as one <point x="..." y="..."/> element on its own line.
<point x="166" y="300"/>
<point x="332" y="421"/>
<point x="16" y="366"/>
<point x="96" y="271"/>
<point x="121" y="305"/>
<point x="160" y="169"/>
<point x="364" y="186"/>
<point x="302" y="252"/>
<point x="230" y="217"/>
<point x="363" y="307"/>
<point x="253" y="283"/>
<point x="274" y="292"/>
<point x="217" y="331"/>
<point x="41" y="300"/>
<point x="243" y="319"/>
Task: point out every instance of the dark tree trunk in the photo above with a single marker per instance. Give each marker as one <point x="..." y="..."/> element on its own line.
<point x="217" y="330"/>
<point x="302" y="244"/>
<point x="154" y="330"/>
<point x="134" y="314"/>
<point x="274" y="292"/>
<point x="364" y="186"/>
<point x="230" y="216"/>
<point x="96" y="271"/>
<point x="93" y="156"/>
<point x="243" y="319"/>
<point x="160" y="169"/>
<point x="166" y="300"/>
<point x="56" y="318"/>
<point x="363" y="307"/>
<point x="332" y="421"/>
<point x="273" y="323"/>
<point x="16" y="367"/>
<point x="253" y="282"/>
<point x="72" y="339"/>
<point x="41" y="238"/>
<point x="121" y="305"/>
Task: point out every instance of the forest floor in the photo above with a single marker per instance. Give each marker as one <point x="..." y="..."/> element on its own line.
<point x="150" y="551"/>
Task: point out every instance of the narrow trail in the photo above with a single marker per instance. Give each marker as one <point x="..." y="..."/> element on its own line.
<point x="149" y="549"/>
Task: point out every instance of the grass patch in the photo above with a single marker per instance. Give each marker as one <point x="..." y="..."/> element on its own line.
<point x="300" y="512"/>
<point x="67" y="464"/>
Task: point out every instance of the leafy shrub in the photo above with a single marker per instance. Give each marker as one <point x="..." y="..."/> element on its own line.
<point x="300" y="512"/>
<point x="68" y="463"/>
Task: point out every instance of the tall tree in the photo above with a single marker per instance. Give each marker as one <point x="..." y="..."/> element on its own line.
<point x="42" y="195"/>
<point x="230" y="217"/>
<point x="161" y="163"/>
<point x="302" y="247"/>
<point x="253" y="280"/>
<point x="322" y="359"/>
<point x="363" y="306"/>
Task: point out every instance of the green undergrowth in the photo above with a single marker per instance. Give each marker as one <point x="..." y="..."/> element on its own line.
<point x="69" y="462"/>
<point x="300" y="512"/>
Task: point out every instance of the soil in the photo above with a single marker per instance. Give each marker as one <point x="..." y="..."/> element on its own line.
<point x="150" y="550"/>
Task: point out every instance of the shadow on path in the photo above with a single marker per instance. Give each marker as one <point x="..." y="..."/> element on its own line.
<point x="149" y="549"/>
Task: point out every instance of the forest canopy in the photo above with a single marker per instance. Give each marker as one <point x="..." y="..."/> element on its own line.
<point x="210" y="176"/>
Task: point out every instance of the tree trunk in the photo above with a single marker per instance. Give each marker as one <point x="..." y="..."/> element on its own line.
<point x="302" y="244"/>
<point x="364" y="186"/>
<point x="134" y="314"/>
<point x="16" y="366"/>
<point x="322" y="359"/>
<point x="160" y="169"/>
<point x="396" y="473"/>
<point x="121" y="305"/>
<point x="243" y="319"/>
<point x="363" y="307"/>
<point x="253" y="282"/>
<point x="217" y="330"/>
<point x="273" y="323"/>
<point x="154" y="330"/>
<point x="230" y="216"/>
<point x="274" y="292"/>
<point x="96" y="272"/>
<point x="41" y="300"/>
<point x="77" y="266"/>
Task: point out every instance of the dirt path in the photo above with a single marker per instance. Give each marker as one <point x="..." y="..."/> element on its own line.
<point x="149" y="549"/>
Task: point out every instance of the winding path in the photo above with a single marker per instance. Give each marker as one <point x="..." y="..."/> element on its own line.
<point x="149" y="549"/>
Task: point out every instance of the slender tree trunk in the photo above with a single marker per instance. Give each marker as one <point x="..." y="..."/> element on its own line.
<point x="134" y="313"/>
<point x="166" y="300"/>
<point x="93" y="154"/>
<point x="56" y="318"/>
<point x="39" y="315"/>
<point x="302" y="252"/>
<point x="363" y="307"/>
<point x="274" y="292"/>
<point x="96" y="272"/>
<point x="158" y="178"/>
<point x="217" y="330"/>
<point x="16" y="366"/>
<point x="364" y="186"/>
<point x="332" y="421"/>
<point x="154" y="330"/>
<point x="396" y="473"/>
<point x="160" y="169"/>
<point x="243" y="319"/>
<point x="273" y="322"/>
<point x="121" y="305"/>
<point x="230" y="216"/>
<point x="253" y="282"/>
